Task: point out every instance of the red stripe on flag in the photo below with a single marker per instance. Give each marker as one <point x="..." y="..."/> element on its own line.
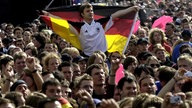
<point x="47" y="20"/>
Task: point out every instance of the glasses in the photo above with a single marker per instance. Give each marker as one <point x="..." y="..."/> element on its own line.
<point x="155" y="65"/>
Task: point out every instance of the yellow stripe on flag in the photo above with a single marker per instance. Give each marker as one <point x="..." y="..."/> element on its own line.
<point x="116" y="42"/>
<point x="61" y="27"/>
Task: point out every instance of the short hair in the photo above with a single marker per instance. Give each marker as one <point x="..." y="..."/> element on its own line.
<point x="125" y="102"/>
<point x="139" y="99"/>
<point x="49" y="56"/>
<point x="46" y="100"/>
<point x="187" y="85"/>
<point x="5" y="101"/>
<point x="185" y="57"/>
<point x="51" y="81"/>
<point x="128" y="60"/>
<point x="19" y="55"/>
<point x="91" y="67"/>
<point x="143" y="68"/>
<point x="64" y="64"/>
<point x="79" y="80"/>
<point x="124" y="79"/>
<point x="34" y="98"/>
<point x="4" y="59"/>
<point x="166" y="73"/>
<point x="13" y="96"/>
<point x="153" y="101"/>
<point x="145" y="77"/>
<point x="83" y="6"/>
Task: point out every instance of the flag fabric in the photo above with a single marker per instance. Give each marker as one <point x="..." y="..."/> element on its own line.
<point x="162" y="21"/>
<point x="117" y="36"/>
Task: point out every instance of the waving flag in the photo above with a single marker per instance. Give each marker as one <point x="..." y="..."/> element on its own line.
<point x="117" y="36"/>
<point x="162" y="21"/>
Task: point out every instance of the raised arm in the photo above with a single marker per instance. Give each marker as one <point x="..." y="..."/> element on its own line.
<point x="124" y="12"/>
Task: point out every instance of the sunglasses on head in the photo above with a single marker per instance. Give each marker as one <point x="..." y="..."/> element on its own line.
<point x="155" y="65"/>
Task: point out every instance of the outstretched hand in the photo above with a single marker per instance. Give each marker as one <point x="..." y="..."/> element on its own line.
<point x="85" y="96"/>
<point x="109" y="103"/>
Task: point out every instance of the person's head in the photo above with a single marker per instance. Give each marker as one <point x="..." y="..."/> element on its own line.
<point x="130" y="63"/>
<point x="185" y="61"/>
<point x="126" y="102"/>
<point x="31" y="50"/>
<point x="67" y="69"/>
<point x="76" y="70"/>
<point x="141" y="33"/>
<point x="20" y="43"/>
<point x="115" y="55"/>
<point x="73" y="51"/>
<point x="139" y="99"/>
<point x="4" y="60"/>
<point x="187" y="85"/>
<point x="27" y="36"/>
<point x="169" y="29"/>
<point x="49" y="103"/>
<point x="96" y="58"/>
<point x="51" y="62"/>
<point x="82" y="62"/>
<point x="142" y="44"/>
<point x="142" y="56"/>
<point x="20" y="86"/>
<point x="153" y="101"/>
<point x="86" y="11"/>
<point x="160" y="52"/>
<point x="147" y="85"/>
<point x="85" y="82"/>
<point x="52" y="88"/>
<point x="143" y="70"/>
<point x="165" y="73"/>
<point x="50" y="47"/>
<point x="6" y="103"/>
<point x="38" y="40"/>
<point x="156" y="35"/>
<point x="128" y="87"/>
<point x="153" y="62"/>
<point x="98" y="74"/>
<point x="184" y="47"/>
<point x="186" y="35"/>
<point x="19" y="61"/>
<point x="34" y="98"/>
<point x="16" y="97"/>
<point x="66" y="91"/>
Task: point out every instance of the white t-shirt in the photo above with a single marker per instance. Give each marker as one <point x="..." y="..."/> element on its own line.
<point x="92" y="36"/>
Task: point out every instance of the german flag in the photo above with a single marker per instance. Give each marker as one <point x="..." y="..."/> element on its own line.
<point x="117" y="36"/>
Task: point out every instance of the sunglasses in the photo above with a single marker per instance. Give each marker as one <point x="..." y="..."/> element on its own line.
<point x="155" y="65"/>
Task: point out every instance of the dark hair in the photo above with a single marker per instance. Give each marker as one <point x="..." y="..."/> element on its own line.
<point x="143" y="68"/>
<point x="91" y="67"/>
<point x="46" y="100"/>
<point x="128" y="60"/>
<point x="187" y="85"/>
<point x="51" y="81"/>
<point x="5" y="58"/>
<point x="166" y="73"/>
<point x="124" y="79"/>
<point x="64" y="64"/>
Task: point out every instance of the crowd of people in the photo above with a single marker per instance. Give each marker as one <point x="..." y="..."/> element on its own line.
<point x="39" y="69"/>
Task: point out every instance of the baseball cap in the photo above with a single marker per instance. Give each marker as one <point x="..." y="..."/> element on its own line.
<point x="142" y="40"/>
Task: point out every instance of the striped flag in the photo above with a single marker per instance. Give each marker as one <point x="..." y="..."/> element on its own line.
<point x="117" y="36"/>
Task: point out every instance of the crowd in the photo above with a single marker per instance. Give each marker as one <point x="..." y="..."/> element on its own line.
<point x="39" y="69"/>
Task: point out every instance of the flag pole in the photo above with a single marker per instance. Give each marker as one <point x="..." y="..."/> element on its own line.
<point x="130" y="34"/>
<point x="46" y="7"/>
